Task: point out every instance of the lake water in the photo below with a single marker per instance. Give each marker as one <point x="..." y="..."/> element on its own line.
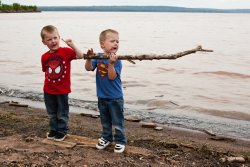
<point x="208" y="91"/>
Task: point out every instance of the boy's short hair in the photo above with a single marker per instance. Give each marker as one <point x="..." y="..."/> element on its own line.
<point x="104" y="33"/>
<point x="49" y="29"/>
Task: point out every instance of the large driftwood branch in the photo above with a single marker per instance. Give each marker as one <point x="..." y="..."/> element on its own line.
<point x="149" y="57"/>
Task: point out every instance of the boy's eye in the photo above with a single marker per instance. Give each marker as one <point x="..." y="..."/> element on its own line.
<point x="115" y="41"/>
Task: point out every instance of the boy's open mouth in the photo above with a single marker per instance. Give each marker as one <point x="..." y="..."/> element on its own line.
<point x="54" y="45"/>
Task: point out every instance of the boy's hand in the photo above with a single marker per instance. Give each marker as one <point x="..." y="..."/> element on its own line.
<point x="112" y="58"/>
<point x="90" y="52"/>
<point x="69" y="42"/>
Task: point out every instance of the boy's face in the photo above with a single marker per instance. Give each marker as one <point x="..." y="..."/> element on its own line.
<point x="111" y="43"/>
<point x="51" y="40"/>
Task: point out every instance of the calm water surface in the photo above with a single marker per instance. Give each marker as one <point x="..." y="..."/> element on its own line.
<point x="200" y="91"/>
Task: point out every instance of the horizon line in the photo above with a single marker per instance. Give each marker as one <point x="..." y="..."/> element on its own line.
<point x="143" y="6"/>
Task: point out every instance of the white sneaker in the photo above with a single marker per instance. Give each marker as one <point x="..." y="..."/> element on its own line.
<point x="119" y="148"/>
<point x="102" y="144"/>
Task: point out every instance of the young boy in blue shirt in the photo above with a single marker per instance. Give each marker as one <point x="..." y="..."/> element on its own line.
<point x="109" y="91"/>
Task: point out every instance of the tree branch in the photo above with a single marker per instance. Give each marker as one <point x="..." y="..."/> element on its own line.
<point x="151" y="56"/>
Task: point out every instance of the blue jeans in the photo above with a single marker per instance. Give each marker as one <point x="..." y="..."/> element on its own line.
<point x="58" y="110"/>
<point x="112" y="113"/>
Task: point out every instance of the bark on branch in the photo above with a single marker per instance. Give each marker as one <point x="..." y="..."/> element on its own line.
<point x="151" y="56"/>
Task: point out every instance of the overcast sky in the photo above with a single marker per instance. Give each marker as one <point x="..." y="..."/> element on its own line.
<point x="222" y="4"/>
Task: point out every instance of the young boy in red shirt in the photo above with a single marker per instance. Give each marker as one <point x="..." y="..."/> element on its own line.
<point x="56" y="66"/>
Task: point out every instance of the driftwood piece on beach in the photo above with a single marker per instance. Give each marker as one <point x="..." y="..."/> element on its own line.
<point x="81" y="141"/>
<point x="218" y="138"/>
<point x="222" y="138"/>
<point x="209" y="132"/>
<point x="199" y="48"/>
<point x="132" y="119"/>
<point x="233" y="159"/>
<point x="16" y="104"/>
<point x="89" y="115"/>
<point x="158" y="128"/>
<point x="4" y="102"/>
<point x="65" y="144"/>
<point x="148" y="124"/>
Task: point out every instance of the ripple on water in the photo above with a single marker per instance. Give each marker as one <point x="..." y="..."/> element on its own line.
<point x="226" y="74"/>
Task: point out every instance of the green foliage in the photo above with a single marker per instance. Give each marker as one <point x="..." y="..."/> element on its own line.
<point x="16" y="7"/>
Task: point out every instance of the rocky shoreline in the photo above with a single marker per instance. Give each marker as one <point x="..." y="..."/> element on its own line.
<point x="23" y="129"/>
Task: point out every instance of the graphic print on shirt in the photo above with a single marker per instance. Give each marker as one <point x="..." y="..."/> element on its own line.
<point x="56" y="69"/>
<point x="102" y="69"/>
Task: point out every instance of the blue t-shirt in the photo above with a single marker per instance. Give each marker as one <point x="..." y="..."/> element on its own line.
<point x="105" y="87"/>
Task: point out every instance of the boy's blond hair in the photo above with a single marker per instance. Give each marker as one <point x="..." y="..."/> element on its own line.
<point x="48" y="29"/>
<point x="104" y="33"/>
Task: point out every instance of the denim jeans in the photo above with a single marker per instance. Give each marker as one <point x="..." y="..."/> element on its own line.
<point x="112" y="113"/>
<point x="58" y="110"/>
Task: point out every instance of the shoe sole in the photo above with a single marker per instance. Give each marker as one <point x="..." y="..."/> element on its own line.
<point x="60" y="139"/>
<point x="101" y="148"/>
<point x="119" y="151"/>
<point x="50" y="138"/>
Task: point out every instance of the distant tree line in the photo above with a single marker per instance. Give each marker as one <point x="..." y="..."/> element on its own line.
<point x="16" y="7"/>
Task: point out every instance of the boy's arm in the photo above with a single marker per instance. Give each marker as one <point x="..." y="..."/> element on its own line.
<point x="111" y="67"/>
<point x="79" y="54"/>
<point x="88" y="62"/>
<point x="88" y="65"/>
<point x="43" y="66"/>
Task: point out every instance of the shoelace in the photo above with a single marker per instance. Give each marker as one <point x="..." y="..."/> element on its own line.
<point x="102" y="142"/>
<point x="118" y="146"/>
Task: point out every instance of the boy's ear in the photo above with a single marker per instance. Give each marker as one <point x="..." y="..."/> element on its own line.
<point x="43" y="42"/>
<point x="102" y="45"/>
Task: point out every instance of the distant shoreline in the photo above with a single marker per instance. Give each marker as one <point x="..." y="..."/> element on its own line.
<point x="140" y="9"/>
<point x="17" y="8"/>
<point x="22" y="12"/>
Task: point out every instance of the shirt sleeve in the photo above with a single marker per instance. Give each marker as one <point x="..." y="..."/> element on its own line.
<point x="94" y="64"/>
<point x="70" y="53"/>
<point x="118" y="67"/>
<point x="43" y="63"/>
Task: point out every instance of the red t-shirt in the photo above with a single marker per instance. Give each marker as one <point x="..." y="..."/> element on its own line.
<point x="57" y="70"/>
